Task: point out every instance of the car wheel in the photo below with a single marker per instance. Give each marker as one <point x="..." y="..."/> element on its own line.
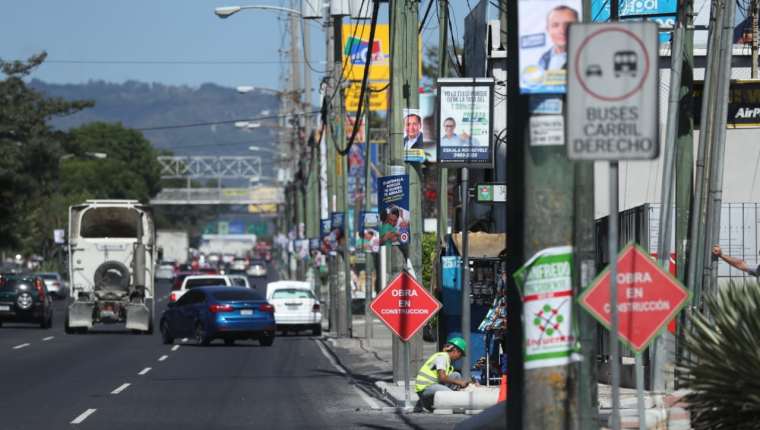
<point x="66" y="328"/>
<point x="266" y="341"/>
<point x="201" y="337"/>
<point x="166" y="338"/>
<point x="229" y="342"/>
<point x="317" y="330"/>
<point x="24" y="301"/>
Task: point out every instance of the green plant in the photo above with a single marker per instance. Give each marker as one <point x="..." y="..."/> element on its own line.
<point x="724" y="368"/>
<point x="429" y="241"/>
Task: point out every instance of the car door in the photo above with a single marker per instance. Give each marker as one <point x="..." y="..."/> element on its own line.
<point x="178" y="322"/>
<point x="195" y="308"/>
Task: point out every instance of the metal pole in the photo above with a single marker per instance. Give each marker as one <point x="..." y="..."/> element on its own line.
<point x="369" y="286"/>
<point x="613" y="253"/>
<point x="330" y="162"/>
<point x="442" y="190"/>
<point x="407" y="400"/>
<point x="754" y="39"/>
<point x="466" y="331"/>
<point x="640" y="391"/>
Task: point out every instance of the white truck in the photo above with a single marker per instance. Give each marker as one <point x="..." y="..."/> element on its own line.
<point x="112" y="250"/>
<point x="173" y="245"/>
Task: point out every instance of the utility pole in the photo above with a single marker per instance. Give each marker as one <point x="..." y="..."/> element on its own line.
<point x="330" y="89"/>
<point x="442" y="194"/>
<point x="544" y="397"/>
<point x="295" y="88"/>
<point x="754" y="39"/>
<point x="369" y="257"/>
<point x="404" y="87"/>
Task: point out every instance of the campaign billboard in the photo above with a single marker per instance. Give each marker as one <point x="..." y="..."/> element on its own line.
<point x="393" y="206"/>
<point x="367" y="235"/>
<point x="357" y="171"/>
<point x="465" y="122"/>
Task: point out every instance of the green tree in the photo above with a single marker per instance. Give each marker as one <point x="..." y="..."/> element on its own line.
<point x="29" y="154"/>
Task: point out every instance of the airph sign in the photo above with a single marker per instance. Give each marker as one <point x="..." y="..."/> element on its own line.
<point x="612" y="91"/>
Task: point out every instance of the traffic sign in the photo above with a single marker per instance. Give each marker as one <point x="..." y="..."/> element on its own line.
<point x="405" y="306"/>
<point x="613" y="89"/>
<point x="648" y="297"/>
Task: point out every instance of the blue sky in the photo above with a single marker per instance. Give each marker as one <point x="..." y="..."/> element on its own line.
<point x="172" y="42"/>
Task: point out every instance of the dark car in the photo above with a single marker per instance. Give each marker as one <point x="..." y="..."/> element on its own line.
<point x="220" y="312"/>
<point x="177" y="283"/>
<point x="25" y="299"/>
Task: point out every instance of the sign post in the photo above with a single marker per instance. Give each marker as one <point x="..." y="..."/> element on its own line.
<point x="612" y="84"/>
<point x="405" y="307"/>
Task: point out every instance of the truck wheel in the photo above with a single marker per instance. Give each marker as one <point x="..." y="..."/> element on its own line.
<point x="201" y="337"/>
<point x="166" y="338"/>
<point x="112" y="274"/>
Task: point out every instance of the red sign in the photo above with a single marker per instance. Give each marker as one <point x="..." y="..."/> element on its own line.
<point x="648" y="297"/>
<point x="405" y="306"/>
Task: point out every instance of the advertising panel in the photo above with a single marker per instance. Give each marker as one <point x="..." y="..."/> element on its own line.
<point x="337" y="234"/>
<point x="356" y="52"/>
<point x="357" y="173"/>
<point x="633" y="11"/>
<point x="743" y="104"/>
<point x="466" y="122"/>
<point x="394" y="213"/>
<point x="543" y="44"/>
<point x="414" y="149"/>
<point x="324" y="236"/>
<point x="378" y="97"/>
<point x="367" y="236"/>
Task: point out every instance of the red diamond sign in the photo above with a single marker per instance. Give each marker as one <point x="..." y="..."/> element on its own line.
<point x="648" y="297"/>
<point x="405" y="306"/>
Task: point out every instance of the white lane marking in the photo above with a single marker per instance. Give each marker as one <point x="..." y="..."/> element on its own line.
<point x="184" y="340"/>
<point x="21" y="346"/>
<point x="120" y="389"/>
<point x="84" y="416"/>
<point x="175" y="347"/>
<point x="372" y="404"/>
<point x="48" y="338"/>
<point x="163" y="357"/>
<point x="144" y="371"/>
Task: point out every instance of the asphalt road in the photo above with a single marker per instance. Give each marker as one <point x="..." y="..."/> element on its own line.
<point x="113" y="379"/>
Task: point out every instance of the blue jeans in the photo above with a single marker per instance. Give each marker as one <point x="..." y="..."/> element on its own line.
<point x="428" y="394"/>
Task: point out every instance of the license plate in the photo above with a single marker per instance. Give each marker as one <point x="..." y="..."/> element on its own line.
<point x="246" y="312"/>
<point x="5" y="308"/>
<point x="292" y="308"/>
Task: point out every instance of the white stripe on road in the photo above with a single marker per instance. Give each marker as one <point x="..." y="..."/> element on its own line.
<point x="48" y="338"/>
<point x="372" y="404"/>
<point x="120" y="389"/>
<point x="144" y="371"/>
<point x="184" y="340"/>
<point x="21" y="346"/>
<point x="175" y="347"/>
<point x="84" y="416"/>
<point x="163" y="357"/>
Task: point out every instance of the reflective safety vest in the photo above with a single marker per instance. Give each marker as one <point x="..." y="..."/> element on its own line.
<point x="427" y="376"/>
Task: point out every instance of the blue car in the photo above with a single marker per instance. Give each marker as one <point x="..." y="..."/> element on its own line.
<point x="220" y="312"/>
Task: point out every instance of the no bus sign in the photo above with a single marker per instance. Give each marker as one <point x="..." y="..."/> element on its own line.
<point x="612" y="91"/>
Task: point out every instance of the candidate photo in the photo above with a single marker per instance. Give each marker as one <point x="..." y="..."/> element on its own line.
<point x="449" y="136"/>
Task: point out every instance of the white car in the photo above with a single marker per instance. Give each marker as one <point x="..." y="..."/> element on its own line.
<point x="200" y="281"/>
<point x="240" y="280"/>
<point x="256" y="268"/>
<point x="295" y="306"/>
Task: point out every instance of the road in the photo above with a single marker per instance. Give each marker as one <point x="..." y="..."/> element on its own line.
<point x="113" y="379"/>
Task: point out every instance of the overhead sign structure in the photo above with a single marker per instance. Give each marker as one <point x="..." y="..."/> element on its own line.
<point x="405" y="306"/>
<point x="613" y="86"/>
<point x="648" y="298"/>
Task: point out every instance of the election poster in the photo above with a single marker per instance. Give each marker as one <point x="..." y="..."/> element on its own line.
<point x="414" y="144"/>
<point x="325" y="248"/>
<point x="543" y="44"/>
<point x="466" y="122"/>
<point x="367" y="235"/>
<point x="301" y="249"/>
<point x="357" y="171"/>
<point x="315" y="253"/>
<point x="337" y="233"/>
<point x="394" y="216"/>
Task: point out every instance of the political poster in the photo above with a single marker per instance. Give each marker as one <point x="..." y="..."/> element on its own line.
<point x="357" y="171"/>
<point x="466" y="122"/>
<point x="393" y="215"/>
<point x="301" y="249"/>
<point x="542" y="36"/>
<point x="367" y="235"/>
<point x="337" y="233"/>
<point x="414" y="144"/>
<point x="325" y="247"/>
<point x="545" y="283"/>
<point x="315" y="253"/>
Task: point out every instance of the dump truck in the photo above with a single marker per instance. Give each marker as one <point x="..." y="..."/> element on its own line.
<point x="112" y="256"/>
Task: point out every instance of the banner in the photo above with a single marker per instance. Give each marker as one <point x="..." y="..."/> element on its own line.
<point x="466" y="122"/>
<point x="356" y="52"/>
<point x="414" y="144"/>
<point x="337" y="234"/>
<point x="394" y="213"/>
<point x="314" y="252"/>
<point x="357" y="172"/>
<point x="543" y="44"/>
<point x="367" y="236"/>
<point x="324" y="236"/>
<point x="301" y="249"/>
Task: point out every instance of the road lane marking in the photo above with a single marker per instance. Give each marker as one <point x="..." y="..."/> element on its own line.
<point x="175" y="347"/>
<point x="84" y="416"/>
<point x="120" y="389"/>
<point x="163" y="357"/>
<point x="21" y="346"/>
<point x="184" y="340"/>
<point x="144" y="371"/>
<point x="368" y="400"/>
<point x="47" y="338"/>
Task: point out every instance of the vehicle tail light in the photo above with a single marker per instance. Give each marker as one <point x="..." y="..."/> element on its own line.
<point x="40" y="291"/>
<point x="101" y="306"/>
<point x="266" y="308"/>
<point x="56" y="284"/>
<point x="174" y="297"/>
<point x="315" y="308"/>
<point x="221" y="308"/>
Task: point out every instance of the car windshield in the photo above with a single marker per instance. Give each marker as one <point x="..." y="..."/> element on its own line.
<point x="48" y="275"/>
<point x="256" y="263"/>
<point x="239" y="281"/>
<point x="293" y="293"/>
<point x="195" y="283"/>
<point x="236" y="295"/>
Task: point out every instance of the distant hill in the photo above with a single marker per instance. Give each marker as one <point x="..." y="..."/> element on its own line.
<point x="140" y="105"/>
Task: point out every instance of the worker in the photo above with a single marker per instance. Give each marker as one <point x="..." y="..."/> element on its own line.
<point x="437" y="374"/>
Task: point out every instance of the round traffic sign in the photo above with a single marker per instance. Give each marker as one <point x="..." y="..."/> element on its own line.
<point x="612" y="64"/>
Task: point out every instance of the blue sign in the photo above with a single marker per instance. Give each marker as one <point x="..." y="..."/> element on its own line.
<point x="629" y="11"/>
<point x="394" y="213"/>
<point x="236" y="227"/>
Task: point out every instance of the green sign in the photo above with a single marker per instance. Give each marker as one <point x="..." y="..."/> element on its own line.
<point x="224" y="227"/>
<point x="208" y="229"/>
<point x="491" y="193"/>
<point x="258" y="228"/>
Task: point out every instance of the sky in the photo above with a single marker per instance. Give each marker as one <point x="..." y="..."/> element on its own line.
<point x="172" y="42"/>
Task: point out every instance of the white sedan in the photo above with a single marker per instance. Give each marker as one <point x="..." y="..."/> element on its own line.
<point x="295" y="306"/>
